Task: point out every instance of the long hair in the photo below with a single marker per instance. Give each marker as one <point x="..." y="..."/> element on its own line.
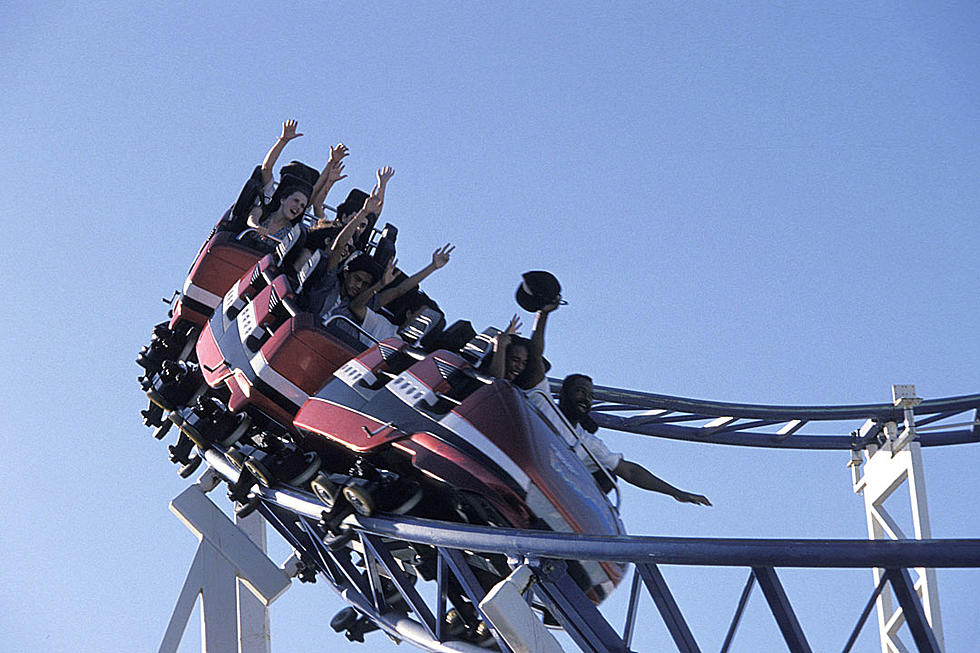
<point x="282" y="192"/>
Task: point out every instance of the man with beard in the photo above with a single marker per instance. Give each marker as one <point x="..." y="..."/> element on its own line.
<point x="575" y="402"/>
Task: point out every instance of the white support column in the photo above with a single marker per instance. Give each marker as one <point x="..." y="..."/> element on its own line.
<point x="228" y="558"/>
<point x="886" y="469"/>
<point x="505" y="607"/>
<point x="254" y="630"/>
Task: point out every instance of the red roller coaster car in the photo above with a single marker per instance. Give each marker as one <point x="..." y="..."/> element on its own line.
<point x="366" y="426"/>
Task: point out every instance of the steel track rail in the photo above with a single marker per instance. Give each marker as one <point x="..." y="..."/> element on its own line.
<point x="754" y="425"/>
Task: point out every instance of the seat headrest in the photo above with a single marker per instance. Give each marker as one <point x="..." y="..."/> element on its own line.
<point x="479" y="347"/>
<point x="428" y="321"/>
<point x="292" y="243"/>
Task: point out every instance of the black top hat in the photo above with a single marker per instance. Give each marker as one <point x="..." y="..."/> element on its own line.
<point x="537" y="290"/>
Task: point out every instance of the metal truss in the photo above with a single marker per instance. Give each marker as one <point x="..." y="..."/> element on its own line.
<point x="374" y="581"/>
<point x="952" y="420"/>
<point x="375" y="564"/>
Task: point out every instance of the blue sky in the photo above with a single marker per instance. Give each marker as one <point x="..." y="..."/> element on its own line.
<point x="765" y="203"/>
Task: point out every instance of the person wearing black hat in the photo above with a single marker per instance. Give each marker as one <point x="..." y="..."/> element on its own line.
<point x="521" y="360"/>
<point x="575" y="402"/>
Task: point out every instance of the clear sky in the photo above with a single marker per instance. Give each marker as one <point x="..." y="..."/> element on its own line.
<point x="767" y="203"/>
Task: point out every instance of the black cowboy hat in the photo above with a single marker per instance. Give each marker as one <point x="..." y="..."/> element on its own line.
<point x="538" y="289"/>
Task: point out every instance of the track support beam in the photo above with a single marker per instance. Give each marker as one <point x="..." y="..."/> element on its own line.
<point x="228" y="559"/>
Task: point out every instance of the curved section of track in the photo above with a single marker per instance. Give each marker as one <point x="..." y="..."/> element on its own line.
<point x="384" y="597"/>
<point x="938" y="422"/>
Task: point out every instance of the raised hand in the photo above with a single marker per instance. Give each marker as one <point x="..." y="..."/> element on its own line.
<point x="337" y="152"/>
<point x="374" y="202"/>
<point x="384" y="175"/>
<point x="334" y="172"/>
<point x="548" y="308"/>
<point x="335" y="165"/>
<point x="514" y="328"/>
<point x="289" y="131"/>
<point x="390" y="273"/>
<point x="441" y="256"/>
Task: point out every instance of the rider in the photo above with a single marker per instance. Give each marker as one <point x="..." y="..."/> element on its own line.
<point x="270" y="211"/>
<point x="335" y="288"/>
<point x="575" y="402"/>
<point x="519" y="360"/>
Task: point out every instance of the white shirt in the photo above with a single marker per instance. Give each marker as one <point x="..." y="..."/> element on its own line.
<point x="596" y="446"/>
<point x="540" y="400"/>
<point x="581" y="441"/>
<point x="377" y="325"/>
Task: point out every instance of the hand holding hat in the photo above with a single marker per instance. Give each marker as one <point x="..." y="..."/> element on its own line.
<point x="539" y="291"/>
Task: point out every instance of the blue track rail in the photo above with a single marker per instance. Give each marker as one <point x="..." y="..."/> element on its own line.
<point x="409" y="617"/>
<point x="939" y="422"/>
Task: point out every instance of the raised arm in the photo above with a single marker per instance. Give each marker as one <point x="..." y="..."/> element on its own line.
<point x="331" y="174"/>
<point x="641" y="477"/>
<point x="498" y="364"/>
<point x="535" y="360"/>
<point x="288" y="134"/>
<point x="384" y="176"/>
<point x="439" y="259"/>
<point x="358" y="304"/>
<point x="371" y="205"/>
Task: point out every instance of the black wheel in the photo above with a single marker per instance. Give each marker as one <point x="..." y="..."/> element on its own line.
<point x="412" y="501"/>
<point x="360" y="499"/>
<point x="312" y="461"/>
<point x="190" y="467"/>
<point x="244" y="421"/>
<point x="191" y="432"/>
<point x="236" y="458"/>
<point x="260" y="472"/>
<point x="343" y="620"/>
<point x="325" y="490"/>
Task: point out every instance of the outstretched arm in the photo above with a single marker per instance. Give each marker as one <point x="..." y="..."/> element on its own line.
<point x="332" y="173"/>
<point x="439" y="258"/>
<point x="288" y="134"/>
<point x="498" y="364"/>
<point x="640" y="477"/>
